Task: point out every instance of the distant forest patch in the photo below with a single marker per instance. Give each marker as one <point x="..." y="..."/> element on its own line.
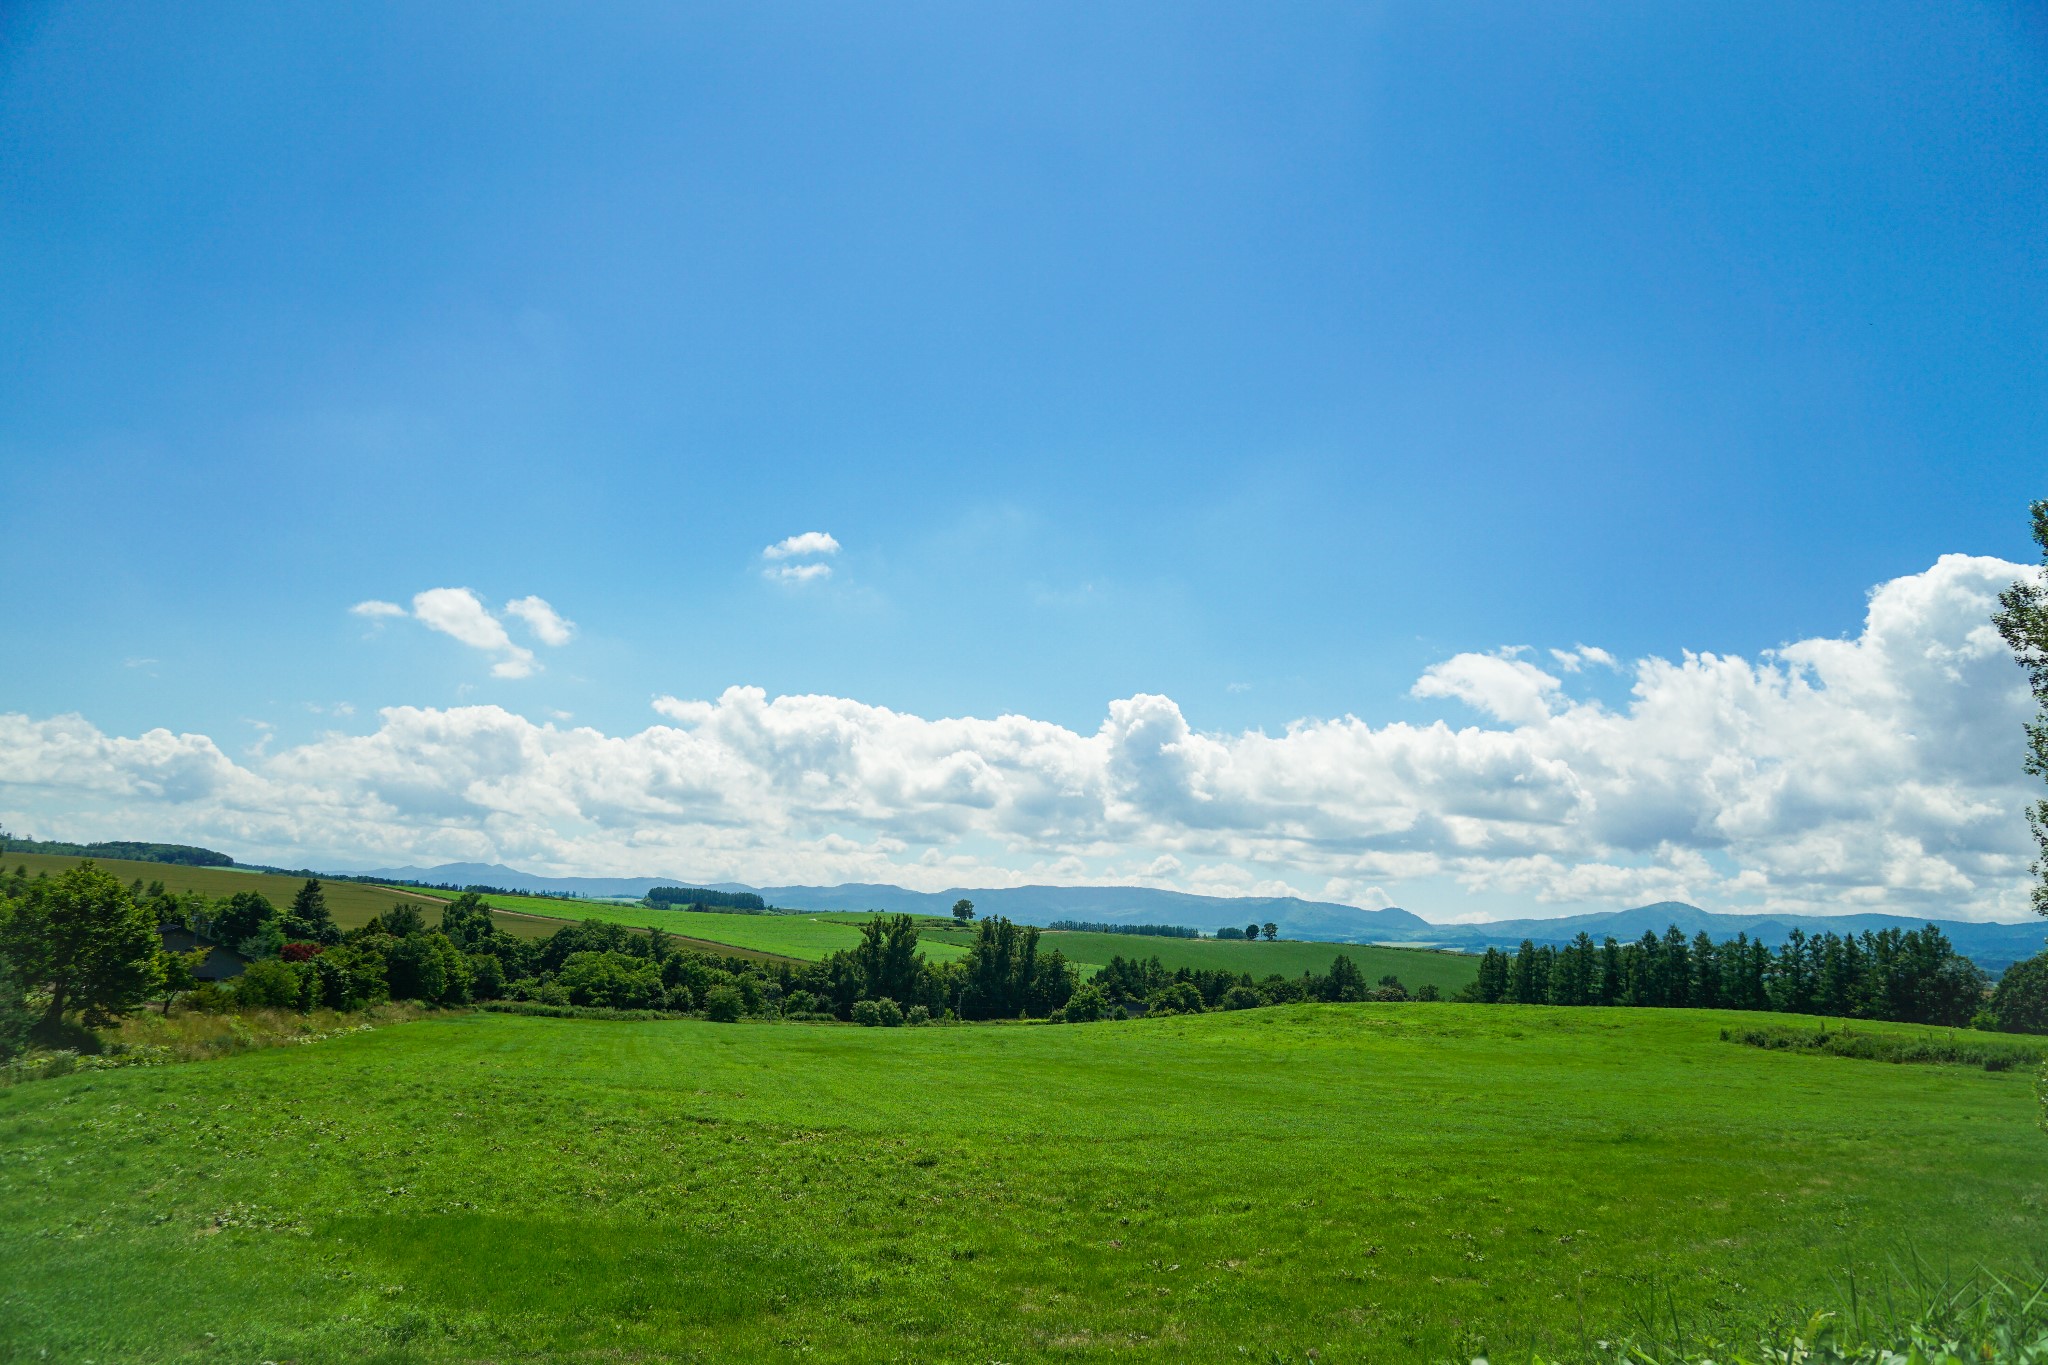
<point x="1081" y="926"/>
<point x="183" y="855"/>
<point x="672" y="897"/>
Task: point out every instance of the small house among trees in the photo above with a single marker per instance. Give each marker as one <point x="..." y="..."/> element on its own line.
<point x="220" y="964"/>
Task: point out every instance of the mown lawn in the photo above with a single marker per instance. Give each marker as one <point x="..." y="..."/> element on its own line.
<point x="1374" y="1182"/>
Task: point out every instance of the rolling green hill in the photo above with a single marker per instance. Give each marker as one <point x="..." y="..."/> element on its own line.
<point x="1387" y="1183"/>
<point x="812" y="937"/>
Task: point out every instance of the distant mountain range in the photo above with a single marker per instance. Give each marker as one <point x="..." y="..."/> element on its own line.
<point x="1993" y="946"/>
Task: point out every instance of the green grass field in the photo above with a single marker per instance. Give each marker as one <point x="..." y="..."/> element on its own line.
<point x="1373" y="1182"/>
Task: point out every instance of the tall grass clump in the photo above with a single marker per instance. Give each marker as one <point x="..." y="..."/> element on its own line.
<point x="1913" y="1319"/>
<point x="150" y="1039"/>
<point x="1948" y="1050"/>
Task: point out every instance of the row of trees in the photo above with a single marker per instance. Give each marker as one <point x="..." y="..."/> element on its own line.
<point x="1913" y="977"/>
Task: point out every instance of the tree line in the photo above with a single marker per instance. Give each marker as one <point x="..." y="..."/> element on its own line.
<point x="672" y="897"/>
<point x="1907" y="976"/>
<point x="1079" y="926"/>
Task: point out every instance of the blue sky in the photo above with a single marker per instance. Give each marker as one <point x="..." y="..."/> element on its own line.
<point x="1259" y="357"/>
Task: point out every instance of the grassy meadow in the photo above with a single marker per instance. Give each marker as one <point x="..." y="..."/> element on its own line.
<point x="1373" y="1182"/>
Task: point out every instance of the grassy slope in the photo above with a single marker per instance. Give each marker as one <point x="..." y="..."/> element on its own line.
<point x="1377" y="1182"/>
<point x="351" y="903"/>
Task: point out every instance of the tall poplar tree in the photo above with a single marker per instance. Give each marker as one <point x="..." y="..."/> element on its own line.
<point x="2023" y="621"/>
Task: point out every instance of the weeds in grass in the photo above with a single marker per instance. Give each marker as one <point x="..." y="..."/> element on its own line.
<point x="1948" y="1050"/>
<point x="150" y="1039"/>
<point x="1913" y="1318"/>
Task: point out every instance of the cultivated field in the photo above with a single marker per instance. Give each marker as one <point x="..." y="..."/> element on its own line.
<point x="351" y="903"/>
<point x="1408" y="1182"/>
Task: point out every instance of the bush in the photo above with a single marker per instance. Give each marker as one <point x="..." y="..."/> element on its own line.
<point x="888" y="1013"/>
<point x="722" y="1005"/>
<point x="271" y="985"/>
<point x="917" y="1014"/>
<point x="1240" y="998"/>
<point x="1428" y="991"/>
<point x="1086" y="1005"/>
<point x="1179" y="998"/>
<point x="800" y="1002"/>
<point x="867" y="1013"/>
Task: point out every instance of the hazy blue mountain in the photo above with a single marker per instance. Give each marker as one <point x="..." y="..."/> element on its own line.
<point x="1993" y="946"/>
<point x="512" y="879"/>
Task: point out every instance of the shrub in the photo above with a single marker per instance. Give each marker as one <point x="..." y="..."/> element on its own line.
<point x="271" y="985"/>
<point x="799" y="1002"/>
<point x="722" y="1005"/>
<point x="1180" y="997"/>
<point x="1086" y="1005"/>
<point x="1240" y="998"/>
<point x="299" y="952"/>
<point x="888" y="1013"/>
<point x="867" y="1013"/>
<point x="1428" y="991"/>
<point x="917" y="1014"/>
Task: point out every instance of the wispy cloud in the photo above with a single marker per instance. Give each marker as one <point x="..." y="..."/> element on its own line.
<point x="544" y="621"/>
<point x="460" y="614"/>
<point x="799" y="546"/>
<point x="798" y="573"/>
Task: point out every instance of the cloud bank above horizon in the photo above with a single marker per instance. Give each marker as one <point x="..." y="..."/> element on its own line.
<point x="1875" y="772"/>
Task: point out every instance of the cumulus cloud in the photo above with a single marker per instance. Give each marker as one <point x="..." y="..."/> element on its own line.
<point x="800" y="546"/>
<point x="547" y="625"/>
<point x="798" y="573"/>
<point x="1878" y="770"/>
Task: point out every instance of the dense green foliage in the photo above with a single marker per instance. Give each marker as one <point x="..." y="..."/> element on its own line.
<point x="1142" y="930"/>
<point x="1379" y="1183"/>
<point x="2023" y="622"/>
<point x="2020" y="1002"/>
<point x="1909" y="977"/>
<point x="80" y="940"/>
<point x="184" y="855"/>
<point x="669" y="897"/>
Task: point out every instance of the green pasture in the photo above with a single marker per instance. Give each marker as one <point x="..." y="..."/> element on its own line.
<point x="1382" y="1183"/>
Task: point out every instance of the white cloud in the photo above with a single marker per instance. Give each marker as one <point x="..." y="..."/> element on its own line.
<point x="1880" y="770"/>
<point x="798" y="573"/>
<point x="1573" y="660"/>
<point x="461" y="615"/>
<point x="796" y="547"/>
<point x="1503" y="687"/>
<point x="547" y="625"/>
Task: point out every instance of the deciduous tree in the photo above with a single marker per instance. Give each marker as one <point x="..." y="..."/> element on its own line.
<point x="2022" y="619"/>
<point x="82" y="938"/>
